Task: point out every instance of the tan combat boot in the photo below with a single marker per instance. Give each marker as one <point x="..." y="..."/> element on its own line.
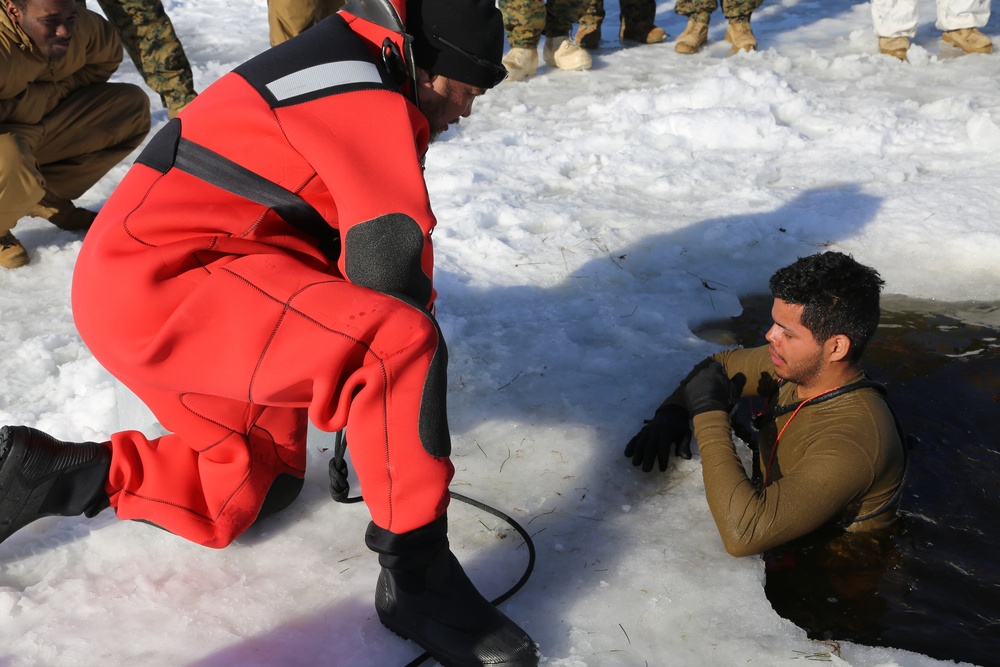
<point x="563" y="53"/>
<point x="894" y="46"/>
<point x="12" y="253"/>
<point x="692" y="38"/>
<point x="741" y="36"/>
<point x="643" y="33"/>
<point x="520" y="63"/>
<point x="588" y="35"/>
<point x="969" y="40"/>
<point x="62" y="213"/>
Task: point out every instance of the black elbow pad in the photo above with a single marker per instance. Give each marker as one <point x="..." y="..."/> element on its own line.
<point x="384" y="254"/>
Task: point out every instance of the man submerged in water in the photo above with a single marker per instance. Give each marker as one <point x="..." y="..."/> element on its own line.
<point x="830" y="453"/>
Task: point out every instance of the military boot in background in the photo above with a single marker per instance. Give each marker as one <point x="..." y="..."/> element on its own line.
<point x="588" y="35"/>
<point x="520" y="63"/>
<point x="740" y="35"/>
<point x="897" y="47"/>
<point x="643" y="33"/>
<point x="12" y="253"/>
<point x="692" y="38"/>
<point x="969" y="40"/>
<point x="562" y="52"/>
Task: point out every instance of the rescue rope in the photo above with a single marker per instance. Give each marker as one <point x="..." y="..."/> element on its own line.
<point x="340" y="489"/>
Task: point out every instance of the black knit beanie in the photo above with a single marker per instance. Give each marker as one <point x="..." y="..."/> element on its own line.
<point x="459" y="39"/>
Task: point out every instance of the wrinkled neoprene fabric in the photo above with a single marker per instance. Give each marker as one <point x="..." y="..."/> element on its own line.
<point x="234" y="328"/>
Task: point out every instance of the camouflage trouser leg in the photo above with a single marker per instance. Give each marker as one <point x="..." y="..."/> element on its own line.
<point x="150" y="40"/>
<point x="560" y="15"/>
<point x="638" y="12"/>
<point x="524" y="21"/>
<point x="740" y="9"/>
<point x="701" y="10"/>
<point x="527" y="20"/>
<point x="593" y="14"/>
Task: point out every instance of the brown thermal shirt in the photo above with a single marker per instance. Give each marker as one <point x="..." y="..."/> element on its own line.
<point x="836" y="460"/>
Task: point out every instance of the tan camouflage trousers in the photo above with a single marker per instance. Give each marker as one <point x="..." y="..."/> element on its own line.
<point x="701" y="10"/>
<point x="149" y="38"/>
<point x="527" y="20"/>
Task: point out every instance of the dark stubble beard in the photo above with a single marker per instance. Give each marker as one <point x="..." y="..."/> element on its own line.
<point x="806" y="373"/>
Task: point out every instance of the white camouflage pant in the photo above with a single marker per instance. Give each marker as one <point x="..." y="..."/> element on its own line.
<point x="898" y="18"/>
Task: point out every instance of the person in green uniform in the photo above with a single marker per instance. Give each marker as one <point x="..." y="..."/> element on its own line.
<point x="829" y="450"/>
<point x="151" y="42"/>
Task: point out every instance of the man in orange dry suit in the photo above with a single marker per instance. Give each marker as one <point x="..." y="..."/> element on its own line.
<point x="268" y="260"/>
<point x="829" y="450"/>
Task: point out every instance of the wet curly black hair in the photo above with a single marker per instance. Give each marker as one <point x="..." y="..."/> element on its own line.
<point x="839" y="296"/>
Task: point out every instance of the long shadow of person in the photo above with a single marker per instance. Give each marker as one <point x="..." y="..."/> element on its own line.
<point x="547" y="385"/>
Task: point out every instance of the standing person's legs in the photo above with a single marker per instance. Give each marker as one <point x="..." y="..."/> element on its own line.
<point x="588" y="34"/>
<point x="740" y="10"/>
<point x="151" y="42"/>
<point x="739" y="33"/>
<point x="560" y="51"/>
<point x="697" y="10"/>
<point x="960" y="20"/>
<point x="895" y="23"/>
<point x="637" y="22"/>
<point x="523" y="21"/>
<point x="895" y="18"/>
<point x="695" y="33"/>
<point x="560" y="15"/>
<point x="959" y="14"/>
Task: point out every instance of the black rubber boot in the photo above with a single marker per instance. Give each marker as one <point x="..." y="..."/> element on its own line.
<point x="424" y="595"/>
<point x="41" y="476"/>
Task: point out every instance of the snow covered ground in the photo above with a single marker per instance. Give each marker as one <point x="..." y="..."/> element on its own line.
<point x="589" y="222"/>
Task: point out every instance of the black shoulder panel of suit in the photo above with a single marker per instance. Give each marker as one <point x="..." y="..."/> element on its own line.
<point x="325" y="60"/>
<point x="161" y="150"/>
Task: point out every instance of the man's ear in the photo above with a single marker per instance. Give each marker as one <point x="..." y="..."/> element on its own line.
<point x="13" y="13"/>
<point x="837" y="347"/>
<point x="424" y="77"/>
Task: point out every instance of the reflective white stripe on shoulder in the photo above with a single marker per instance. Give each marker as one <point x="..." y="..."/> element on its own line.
<point x="323" y="76"/>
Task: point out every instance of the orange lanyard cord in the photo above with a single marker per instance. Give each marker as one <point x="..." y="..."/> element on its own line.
<point x="774" y="447"/>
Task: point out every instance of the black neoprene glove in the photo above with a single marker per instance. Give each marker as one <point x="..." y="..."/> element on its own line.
<point x="711" y="389"/>
<point x="670" y="426"/>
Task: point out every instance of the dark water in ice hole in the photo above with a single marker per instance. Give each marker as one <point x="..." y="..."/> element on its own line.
<point x="935" y="586"/>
